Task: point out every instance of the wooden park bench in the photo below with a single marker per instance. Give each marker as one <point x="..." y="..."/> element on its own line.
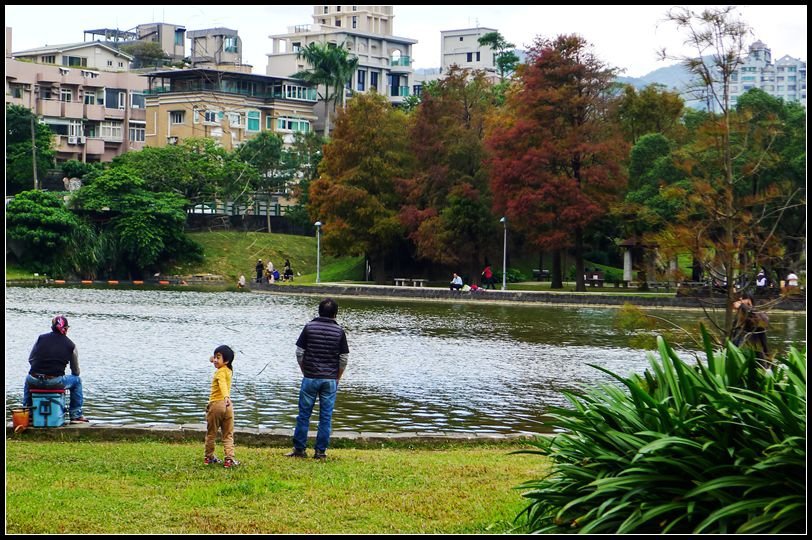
<point x="418" y="282"/>
<point x="401" y="281"/>
<point x="541" y="275"/>
<point x="594" y="279"/>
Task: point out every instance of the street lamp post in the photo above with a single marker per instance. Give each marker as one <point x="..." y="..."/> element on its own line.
<point x="318" y="250"/>
<point x="504" y="256"/>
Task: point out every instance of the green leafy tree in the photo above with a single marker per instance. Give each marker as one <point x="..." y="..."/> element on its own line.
<point x="355" y="195"/>
<point x="264" y="153"/>
<point x="196" y="169"/>
<point x="146" y="54"/>
<point x="302" y="161"/>
<point x="331" y="67"/>
<point x="505" y="58"/>
<point x="43" y="227"/>
<point x="651" y="110"/>
<point x="148" y="227"/>
<point x="19" y="154"/>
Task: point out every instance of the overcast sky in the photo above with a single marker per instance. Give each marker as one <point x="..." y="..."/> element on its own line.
<point x="625" y="37"/>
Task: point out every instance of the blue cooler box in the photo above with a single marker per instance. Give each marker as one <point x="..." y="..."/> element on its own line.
<point x="48" y="408"/>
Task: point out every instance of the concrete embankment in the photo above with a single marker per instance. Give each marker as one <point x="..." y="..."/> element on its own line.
<point x="251" y="436"/>
<point x="591" y="298"/>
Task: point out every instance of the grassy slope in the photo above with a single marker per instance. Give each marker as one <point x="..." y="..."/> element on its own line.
<point x="153" y="487"/>
<point x="231" y="253"/>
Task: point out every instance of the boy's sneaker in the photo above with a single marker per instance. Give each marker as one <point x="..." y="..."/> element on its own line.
<point x="230" y="462"/>
<point x="297" y="454"/>
<point x="319" y="455"/>
<point x="213" y="460"/>
<point x="80" y="420"/>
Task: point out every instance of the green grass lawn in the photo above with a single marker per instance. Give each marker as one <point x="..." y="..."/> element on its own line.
<point x="154" y="487"/>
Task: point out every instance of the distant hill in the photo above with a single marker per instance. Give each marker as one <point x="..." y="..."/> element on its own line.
<point x="675" y="78"/>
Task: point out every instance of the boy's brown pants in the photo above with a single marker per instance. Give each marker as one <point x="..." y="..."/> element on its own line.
<point x="220" y="417"/>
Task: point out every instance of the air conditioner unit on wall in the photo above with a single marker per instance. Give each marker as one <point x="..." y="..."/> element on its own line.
<point x="73" y="140"/>
<point x="81" y="140"/>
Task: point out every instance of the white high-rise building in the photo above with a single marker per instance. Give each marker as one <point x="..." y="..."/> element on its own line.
<point x="384" y="60"/>
<point x="786" y="78"/>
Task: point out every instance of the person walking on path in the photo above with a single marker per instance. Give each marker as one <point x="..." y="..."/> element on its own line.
<point x="322" y="353"/>
<point x="50" y="356"/>
<point x="487" y="277"/>
<point x="259" y="268"/>
<point x="220" y="411"/>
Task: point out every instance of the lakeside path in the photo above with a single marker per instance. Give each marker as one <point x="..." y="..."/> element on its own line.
<point x="606" y="298"/>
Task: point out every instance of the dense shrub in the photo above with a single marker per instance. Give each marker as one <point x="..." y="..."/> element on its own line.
<point x="716" y="447"/>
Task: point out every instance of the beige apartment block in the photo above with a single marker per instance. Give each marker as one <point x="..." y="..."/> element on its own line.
<point x="95" y="115"/>
<point x="170" y="37"/>
<point x="227" y="106"/>
<point x="384" y="60"/>
<point x="461" y="47"/>
<point x="91" y="55"/>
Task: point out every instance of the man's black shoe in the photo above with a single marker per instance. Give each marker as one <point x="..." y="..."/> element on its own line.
<point x="297" y="454"/>
<point x="319" y="455"/>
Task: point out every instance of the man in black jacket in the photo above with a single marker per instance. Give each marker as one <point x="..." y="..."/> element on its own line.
<point x="50" y="356"/>
<point x="322" y="353"/>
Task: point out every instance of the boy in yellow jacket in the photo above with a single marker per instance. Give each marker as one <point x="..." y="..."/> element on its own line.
<point x="219" y="411"/>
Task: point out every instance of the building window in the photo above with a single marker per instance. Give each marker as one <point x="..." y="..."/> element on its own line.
<point x="252" y="123"/>
<point x="362" y="79"/>
<point x="78" y="61"/>
<point x="178" y="37"/>
<point x="477" y="57"/>
<point x="469" y="57"/>
<point x="16" y="92"/>
<point x="138" y="101"/>
<point x="90" y="99"/>
<point x="75" y="129"/>
<point x="373" y="79"/>
<point x="49" y="59"/>
<point x="460" y="38"/>
<point x="65" y="94"/>
<point x="230" y="44"/>
<point x="326" y="9"/>
<point x="112" y="131"/>
<point x="137" y="132"/>
<point x="338" y="21"/>
<point x="296" y="46"/>
<point x="176" y="117"/>
<point x="286" y="123"/>
<point x="234" y="120"/>
<point x="210" y="117"/>
<point x="355" y="21"/>
<point x="121" y="64"/>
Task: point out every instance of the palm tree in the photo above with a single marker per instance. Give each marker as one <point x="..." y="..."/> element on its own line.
<point x="331" y="68"/>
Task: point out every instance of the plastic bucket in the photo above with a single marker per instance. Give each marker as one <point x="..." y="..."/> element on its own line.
<point x="20" y="417"/>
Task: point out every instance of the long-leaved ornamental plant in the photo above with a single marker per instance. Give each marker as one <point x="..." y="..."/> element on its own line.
<point x="713" y="447"/>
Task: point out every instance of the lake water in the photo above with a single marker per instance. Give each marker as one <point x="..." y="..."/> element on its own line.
<point x="414" y="366"/>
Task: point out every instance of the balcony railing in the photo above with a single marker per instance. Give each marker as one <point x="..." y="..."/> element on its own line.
<point x="404" y="61"/>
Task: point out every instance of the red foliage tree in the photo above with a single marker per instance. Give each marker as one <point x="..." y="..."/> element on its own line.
<point x="555" y="159"/>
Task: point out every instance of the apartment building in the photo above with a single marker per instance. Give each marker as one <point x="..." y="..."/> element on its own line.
<point x="170" y="37"/>
<point x="82" y="55"/>
<point x="384" y="60"/>
<point x="230" y="107"/>
<point x="95" y="113"/>
<point x="461" y="47"/>
<point x="217" y="48"/>
<point x="786" y="78"/>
